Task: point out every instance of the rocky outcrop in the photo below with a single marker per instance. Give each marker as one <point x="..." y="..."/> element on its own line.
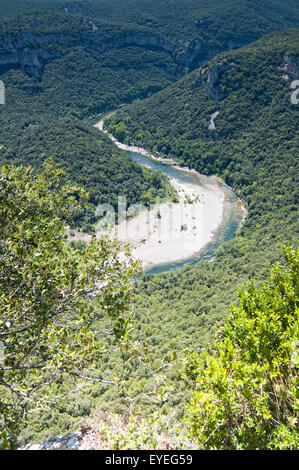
<point x="88" y="438"/>
<point x="211" y="80"/>
<point x="195" y="53"/>
<point x="290" y="67"/>
<point x="212" y="126"/>
<point x="29" y="51"/>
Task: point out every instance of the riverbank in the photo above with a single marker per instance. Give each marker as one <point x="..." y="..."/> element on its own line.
<point x="167" y="232"/>
<point x="130" y="148"/>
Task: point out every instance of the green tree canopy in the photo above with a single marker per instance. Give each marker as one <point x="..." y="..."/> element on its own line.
<point x="51" y="294"/>
<point x="245" y="388"/>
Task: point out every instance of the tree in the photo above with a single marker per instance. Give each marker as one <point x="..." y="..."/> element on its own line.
<point x="51" y="294"/>
<point x="244" y="390"/>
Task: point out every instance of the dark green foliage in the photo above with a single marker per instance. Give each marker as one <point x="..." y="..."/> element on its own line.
<point x="42" y="118"/>
<point x="15" y="7"/>
<point x="245" y="388"/>
<point x="213" y="21"/>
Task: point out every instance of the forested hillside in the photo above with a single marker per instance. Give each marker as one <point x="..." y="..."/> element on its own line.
<point x="60" y="65"/>
<point x="257" y="157"/>
<point x="254" y="147"/>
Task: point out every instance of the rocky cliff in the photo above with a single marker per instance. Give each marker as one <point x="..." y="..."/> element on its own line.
<point x="31" y="51"/>
<point x="210" y="80"/>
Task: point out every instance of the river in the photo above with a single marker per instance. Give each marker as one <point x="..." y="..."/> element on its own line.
<point x="213" y="217"/>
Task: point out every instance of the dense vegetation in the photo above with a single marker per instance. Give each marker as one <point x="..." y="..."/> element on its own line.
<point x="253" y="148"/>
<point x="245" y="382"/>
<point x="245" y="388"/>
<point x="51" y="294"/>
<point x="255" y="135"/>
<point x="214" y="22"/>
